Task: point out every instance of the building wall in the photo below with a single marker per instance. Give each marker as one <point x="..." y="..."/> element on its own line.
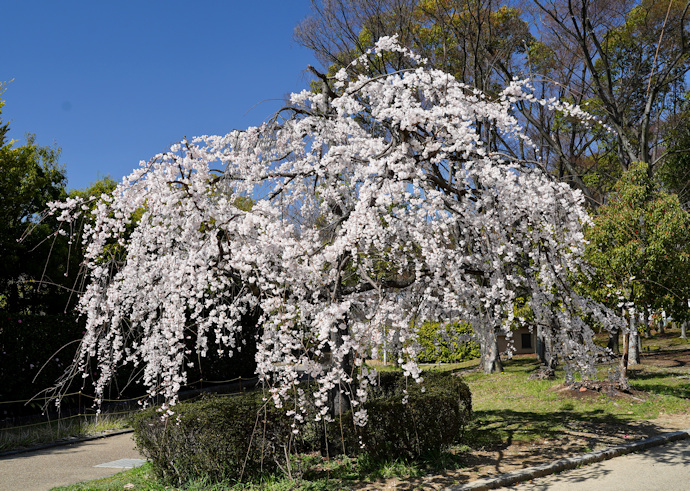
<point x="524" y="341"/>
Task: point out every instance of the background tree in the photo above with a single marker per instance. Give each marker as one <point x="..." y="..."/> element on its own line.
<point x="627" y="61"/>
<point x="462" y="37"/>
<point x="623" y="61"/>
<point x="640" y="247"/>
<point x="674" y="170"/>
<point x="30" y="177"/>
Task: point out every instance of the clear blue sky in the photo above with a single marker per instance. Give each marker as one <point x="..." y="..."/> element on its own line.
<point x="115" y="82"/>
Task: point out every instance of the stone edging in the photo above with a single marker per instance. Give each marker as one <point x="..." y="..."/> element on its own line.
<point x="529" y="473"/>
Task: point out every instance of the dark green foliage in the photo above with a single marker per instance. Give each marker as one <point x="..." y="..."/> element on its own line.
<point x="640" y="245"/>
<point x="428" y="422"/>
<point x="33" y="274"/>
<point x="446" y="343"/>
<point x="409" y="420"/>
<point x="236" y="437"/>
<point x="219" y="367"/>
<point x="216" y="438"/>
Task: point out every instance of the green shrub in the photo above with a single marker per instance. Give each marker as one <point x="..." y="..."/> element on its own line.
<point x="408" y="420"/>
<point x="216" y="438"/>
<point x="234" y="437"/>
<point x="443" y="343"/>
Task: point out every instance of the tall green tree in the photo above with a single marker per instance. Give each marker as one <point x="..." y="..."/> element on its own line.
<point x="640" y="247"/>
<point x="30" y="177"/>
<point x="674" y="170"/>
<point x="624" y="61"/>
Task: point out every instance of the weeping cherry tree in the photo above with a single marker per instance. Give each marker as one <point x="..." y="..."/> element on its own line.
<point x="375" y="206"/>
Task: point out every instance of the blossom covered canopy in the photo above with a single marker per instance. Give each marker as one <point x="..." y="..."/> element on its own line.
<point x="356" y="213"/>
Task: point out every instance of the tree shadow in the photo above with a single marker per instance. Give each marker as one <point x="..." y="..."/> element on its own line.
<point x="654" y="465"/>
<point x="569" y="431"/>
<point x="665" y="385"/>
<point x="494" y="436"/>
<point x="680" y="390"/>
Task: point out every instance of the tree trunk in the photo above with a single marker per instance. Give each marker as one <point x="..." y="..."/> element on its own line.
<point x="551" y="357"/>
<point x="683" y="328"/>
<point x="545" y="351"/>
<point x="624" y="361"/>
<point x="541" y="345"/>
<point x="491" y="361"/>
<point x="635" y="348"/>
<point x="663" y="323"/>
<point x="338" y="401"/>
<point x="634" y="343"/>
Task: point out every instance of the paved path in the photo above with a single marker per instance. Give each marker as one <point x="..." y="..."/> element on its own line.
<point x="41" y="470"/>
<point x="666" y="468"/>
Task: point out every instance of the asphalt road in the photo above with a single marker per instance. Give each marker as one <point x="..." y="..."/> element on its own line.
<point x="663" y="468"/>
<point x="41" y="470"/>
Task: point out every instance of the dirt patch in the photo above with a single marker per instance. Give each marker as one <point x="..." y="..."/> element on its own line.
<point x="593" y="389"/>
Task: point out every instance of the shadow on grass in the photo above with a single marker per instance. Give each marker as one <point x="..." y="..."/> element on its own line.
<point x="682" y="390"/>
<point x="498" y="430"/>
<point x="667" y="382"/>
<point x="492" y="438"/>
<point x="634" y="374"/>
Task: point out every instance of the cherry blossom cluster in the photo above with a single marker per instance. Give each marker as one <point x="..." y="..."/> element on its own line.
<point x="355" y="214"/>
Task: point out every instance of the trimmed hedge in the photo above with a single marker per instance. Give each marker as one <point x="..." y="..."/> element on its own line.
<point x="408" y="420"/>
<point x="216" y="438"/>
<point x="236" y="437"/>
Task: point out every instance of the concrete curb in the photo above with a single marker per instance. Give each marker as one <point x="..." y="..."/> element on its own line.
<point x="529" y="473"/>
<point x="62" y="443"/>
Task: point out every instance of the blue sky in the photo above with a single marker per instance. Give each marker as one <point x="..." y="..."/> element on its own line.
<point x="115" y="82"/>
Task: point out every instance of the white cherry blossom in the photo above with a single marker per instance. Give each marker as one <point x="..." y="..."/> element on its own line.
<point x="376" y="205"/>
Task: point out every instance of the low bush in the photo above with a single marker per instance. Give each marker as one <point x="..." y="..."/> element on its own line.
<point x="409" y="420"/>
<point x="235" y="437"/>
<point x="217" y="437"/>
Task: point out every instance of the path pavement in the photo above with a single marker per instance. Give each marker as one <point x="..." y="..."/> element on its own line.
<point x="657" y="463"/>
<point x="41" y="470"/>
<point x="664" y="468"/>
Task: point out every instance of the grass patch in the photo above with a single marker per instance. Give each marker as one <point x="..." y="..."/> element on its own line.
<point x="323" y="476"/>
<point x="508" y="407"/>
<point x="52" y="431"/>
